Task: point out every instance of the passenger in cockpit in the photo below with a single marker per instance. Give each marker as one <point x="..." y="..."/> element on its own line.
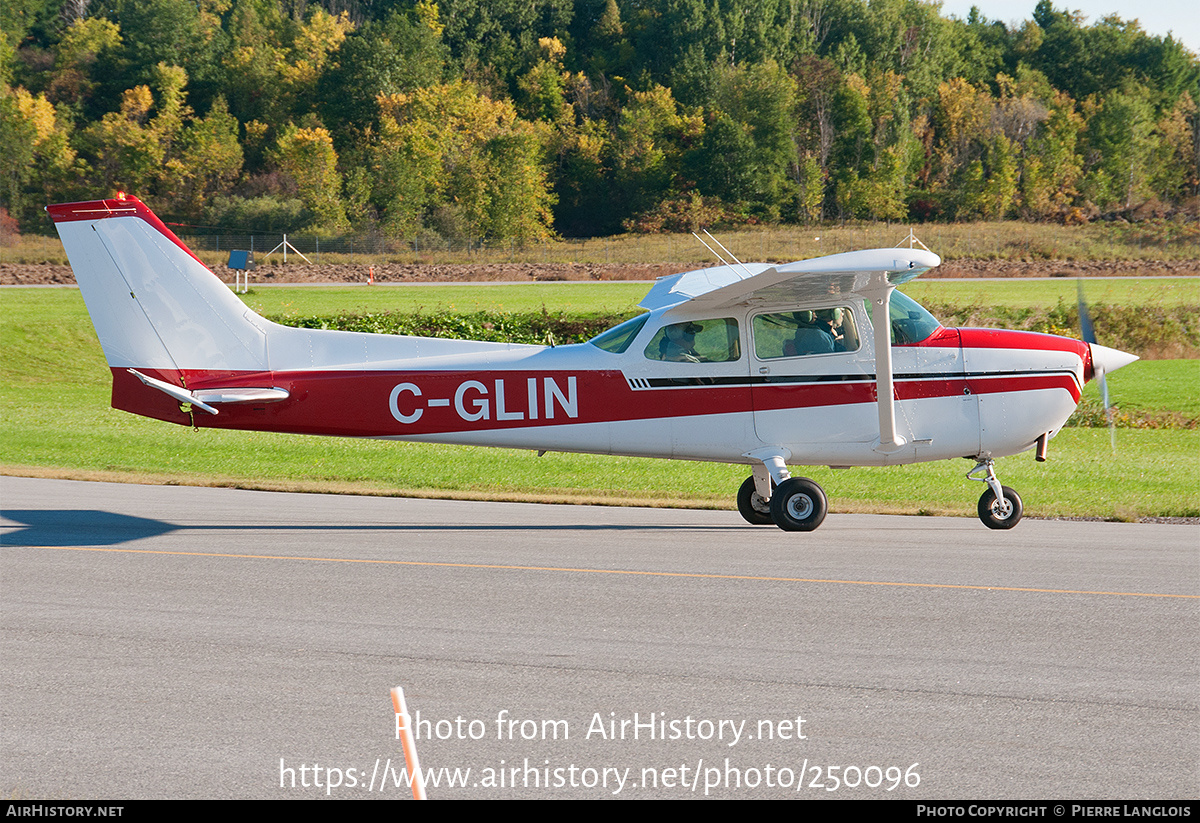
<point x="822" y="336"/>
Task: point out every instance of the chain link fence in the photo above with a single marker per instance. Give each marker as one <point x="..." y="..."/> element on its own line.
<point x="1013" y="241"/>
<point x="392" y="249"/>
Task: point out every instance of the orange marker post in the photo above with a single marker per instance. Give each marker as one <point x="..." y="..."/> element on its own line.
<point x="371" y="276"/>
<point x="408" y="741"/>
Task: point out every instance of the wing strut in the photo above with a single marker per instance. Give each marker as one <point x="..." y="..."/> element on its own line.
<point x="879" y="293"/>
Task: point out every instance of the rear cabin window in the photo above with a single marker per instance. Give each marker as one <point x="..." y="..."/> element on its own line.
<point x="696" y="341"/>
<point x="804" y="333"/>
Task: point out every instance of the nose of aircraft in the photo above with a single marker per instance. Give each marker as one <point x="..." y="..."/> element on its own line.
<point x="1106" y="360"/>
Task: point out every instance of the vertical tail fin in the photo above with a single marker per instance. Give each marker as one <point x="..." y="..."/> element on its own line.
<point x="153" y="303"/>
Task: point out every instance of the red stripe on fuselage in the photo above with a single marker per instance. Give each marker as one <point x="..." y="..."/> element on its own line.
<point x="377" y="404"/>
<point x="1026" y="382"/>
<point x="398" y="404"/>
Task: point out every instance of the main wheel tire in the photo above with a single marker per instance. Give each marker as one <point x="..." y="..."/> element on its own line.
<point x="994" y="516"/>
<point x="798" y="505"/>
<point x="753" y="508"/>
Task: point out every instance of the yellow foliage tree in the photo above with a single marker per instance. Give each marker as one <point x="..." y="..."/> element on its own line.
<point x="308" y="157"/>
<point x="449" y="147"/>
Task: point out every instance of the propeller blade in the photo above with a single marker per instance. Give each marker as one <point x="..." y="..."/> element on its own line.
<point x="1108" y="414"/>
<point x="1104" y="360"/>
<point x="1085" y="319"/>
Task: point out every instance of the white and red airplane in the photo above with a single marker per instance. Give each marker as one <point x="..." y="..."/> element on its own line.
<point x="815" y="362"/>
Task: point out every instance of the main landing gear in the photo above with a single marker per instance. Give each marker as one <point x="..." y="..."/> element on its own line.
<point x="999" y="506"/>
<point x="753" y="507"/>
<point x="796" y="505"/>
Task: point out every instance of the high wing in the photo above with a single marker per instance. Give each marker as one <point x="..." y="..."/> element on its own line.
<point x="864" y="273"/>
<point x="871" y="274"/>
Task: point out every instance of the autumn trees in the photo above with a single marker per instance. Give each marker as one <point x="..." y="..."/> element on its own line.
<point x="526" y="119"/>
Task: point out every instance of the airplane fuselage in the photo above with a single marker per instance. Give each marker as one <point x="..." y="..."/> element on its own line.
<point x="960" y="393"/>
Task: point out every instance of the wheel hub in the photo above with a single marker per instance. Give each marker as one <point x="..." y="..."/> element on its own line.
<point x="800" y="506"/>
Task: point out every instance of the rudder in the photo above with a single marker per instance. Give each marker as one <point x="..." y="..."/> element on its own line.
<point x="153" y="303"/>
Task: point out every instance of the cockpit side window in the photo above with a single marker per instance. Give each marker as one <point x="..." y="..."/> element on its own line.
<point x="801" y="333"/>
<point x="696" y="341"/>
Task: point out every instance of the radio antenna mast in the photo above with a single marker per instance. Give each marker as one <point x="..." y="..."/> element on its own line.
<point x="911" y="239"/>
<point x="715" y="253"/>
<point x="718" y="255"/>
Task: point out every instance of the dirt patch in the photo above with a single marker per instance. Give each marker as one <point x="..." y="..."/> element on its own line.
<point x="35" y="274"/>
<point x="14" y="274"/>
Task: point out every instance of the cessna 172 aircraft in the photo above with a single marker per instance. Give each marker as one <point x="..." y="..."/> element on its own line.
<point x="815" y="362"/>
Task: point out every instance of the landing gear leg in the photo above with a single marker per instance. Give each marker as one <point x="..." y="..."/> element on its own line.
<point x="754" y="497"/>
<point x="999" y="507"/>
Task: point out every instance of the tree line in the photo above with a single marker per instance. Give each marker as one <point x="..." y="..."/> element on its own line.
<point x="524" y="119"/>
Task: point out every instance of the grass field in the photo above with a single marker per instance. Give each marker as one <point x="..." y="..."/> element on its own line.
<point x="54" y="418"/>
<point x="574" y="298"/>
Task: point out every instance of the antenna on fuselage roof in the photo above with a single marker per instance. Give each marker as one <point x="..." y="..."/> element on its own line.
<point x="717" y="254"/>
<point x="912" y="238"/>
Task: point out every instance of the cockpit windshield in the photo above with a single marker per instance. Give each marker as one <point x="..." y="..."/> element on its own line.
<point x="617" y="339"/>
<point x="911" y="323"/>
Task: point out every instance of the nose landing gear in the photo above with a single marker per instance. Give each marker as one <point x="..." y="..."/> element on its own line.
<point x="999" y="506"/>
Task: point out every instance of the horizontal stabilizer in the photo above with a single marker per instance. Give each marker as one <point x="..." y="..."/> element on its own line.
<point x="204" y="398"/>
<point x="179" y="393"/>
<point x="240" y="395"/>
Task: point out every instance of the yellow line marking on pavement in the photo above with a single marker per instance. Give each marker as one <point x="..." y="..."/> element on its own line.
<point x="759" y="578"/>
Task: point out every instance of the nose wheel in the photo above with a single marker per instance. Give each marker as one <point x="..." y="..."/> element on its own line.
<point x="1000" y="514"/>
<point x="999" y="506"/>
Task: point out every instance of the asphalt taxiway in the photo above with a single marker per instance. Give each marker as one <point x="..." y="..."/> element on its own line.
<point x="194" y="642"/>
